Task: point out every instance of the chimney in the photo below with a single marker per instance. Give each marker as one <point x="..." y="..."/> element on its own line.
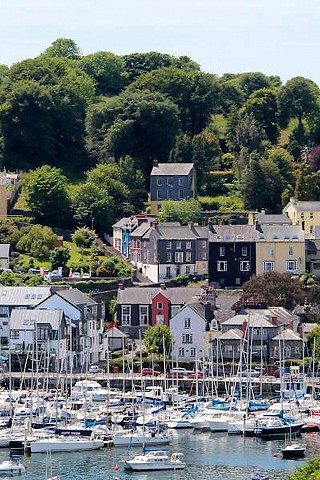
<point x="245" y="328"/>
<point x="208" y="313"/>
<point x="190" y="225"/>
<point x="121" y="286"/>
<point x="300" y="330"/>
<point x="251" y="218"/>
<point x="275" y="321"/>
<point x="163" y="286"/>
<point x="155" y="163"/>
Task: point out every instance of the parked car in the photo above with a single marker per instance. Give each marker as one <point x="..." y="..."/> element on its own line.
<point x="76" y="275"/>
<point x="95" y="369"/>
<point x="179" y="372"/>
<point x="151" y="372"/>
<point x="86" y="275"/>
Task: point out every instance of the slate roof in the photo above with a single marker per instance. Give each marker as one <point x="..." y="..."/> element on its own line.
<point x="253" y="320"/>
<point x="23" y="296"/>
<point x="312" y="246"/>
<point x="197" y="307"/>
<point x="114" y="332"/>
<point x="272" y="219"/>
<point x="171" y="231"/>
<point x="143" y="296"/>
<point x="4" y="250"/>
<point x="280" y="232"/>
<point x="142" y="230"/>
<point x="283" y="315"/>
<point x="303" y="206"/>
<point x="232" y="233"/>
<point x="25" y="319"/>
<point x="287" y="335"/>
<point x="76" y="297"/>
<point x="172" y="169"/>
<point x="308" y="327"/>
<point x="232" y="334"/>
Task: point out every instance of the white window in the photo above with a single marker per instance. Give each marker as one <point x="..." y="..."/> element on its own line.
<point x="126" y="315"/>
<point x="159" y="305"/>
<point x="204" y="256"/>
<point x="159" y="181"/>
<point x="188" y="270"/>
<point x="144" y="244"/>
<point x="169" y="195"/>
<point x="138" y="243"/>
<point x="290" y="250"/>
<point x="159" y="195"/>
<point x="188" y="245"/>
<point x="192" y="352"/>
<point x="240" y="237"/>
<point x="168" y="245"/>
<point x="222" y="251"/>
<point x="14" y="334"/>
<point x="168" y="272"/>
<point x="175" y="309"/>
<point x="221" y="266"/>
<point x="178" y="245"/>
<point x="268" y="266"/>
<point x="291" y="265"/>
<point x="144" y="314"/>
<point x="178" y="257"/>
<point x="169" y="257"/>
<point x="181" y="352"/>
<point x="181" y="194"/>
<point x="187" y="338"/>
<point x="187" y="323"/>
<point x="244" y="251"/>
<point x="188" y="256"/>
<point x="180" y="182"/>
<point x="204" y="244"/>
<point x="170" y="181"/>
<point x="244" y="266"/>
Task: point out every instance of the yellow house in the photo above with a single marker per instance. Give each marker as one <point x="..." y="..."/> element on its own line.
<point x="305" y="214"/>
<point x="280" y="249"/>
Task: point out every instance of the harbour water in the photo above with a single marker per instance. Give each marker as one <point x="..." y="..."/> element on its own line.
<point x="208" y="456"/>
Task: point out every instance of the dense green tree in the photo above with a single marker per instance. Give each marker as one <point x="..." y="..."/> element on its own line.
<point x="195" y="93"/>
<point x="38" y="241"/>
<point x="59" y="257"/>
<point x="206" y="153"/>
<point x="298" y="99"/>
<point x="273" y="185"/>
<point x="249" y="82"/>
<point x="249" y="133"/>
<point x="136" y="64"/>
<point x="253" y="185"/>
<point x="183" y="211"/>
<point x="92" y="207"/>
<point x="142" y="125"/>
<point x="9" y="232"/>
<point x="262" y="105"/>
<point x="107" y="69"/>
<point x="45" y="191"/>
<point x="231" y="96"/>
<point x="307" y="185"/>
<point x="284" y="162"/>
<point x="309" y="471"/>
<point x="278" y="289"/>
<point x="182" y="150"/>
<point x="83" y="237"/>
<point x="158" y="339"/>
<point x="63" y="48"/>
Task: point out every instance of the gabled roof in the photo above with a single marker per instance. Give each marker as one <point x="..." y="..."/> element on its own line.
<point x="288" y="335"/>
<point x="141" y="230"/>
<point x="182" y="232"/>
<point x="75" y="297"/>
<point x="4" y="250"/>
<point x="144" y="296"/>
<point x="172" y="169"/>
<point x="26" y="319"/>
<point x="122" y="222"/>
<point x="303" y="206"/>
<point x="197" y="307"/>
<point x="282" y="314"/>
<point x="232" y="334"/>
<point x="23" y="296"/>
<point x="252" y="319"/>
<point x="114" y="332"/>
<point x="308" y="327"/>
<point x="272" y="219"/>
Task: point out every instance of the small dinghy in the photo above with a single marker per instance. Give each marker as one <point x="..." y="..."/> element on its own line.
<point x="294" y="450"/>
<point x="11" y="468"/>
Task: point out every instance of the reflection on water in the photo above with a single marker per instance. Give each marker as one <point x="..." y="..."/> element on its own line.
<point x="208" y="456"/>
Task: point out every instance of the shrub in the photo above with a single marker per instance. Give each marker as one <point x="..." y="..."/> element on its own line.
<point x="83" y="237"/>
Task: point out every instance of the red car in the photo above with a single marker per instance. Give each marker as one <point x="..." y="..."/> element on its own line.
<point x="195" y="375"/>
<point x="150" y="371"/>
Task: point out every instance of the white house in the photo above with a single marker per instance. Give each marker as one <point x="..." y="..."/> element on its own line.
<point x="4" y="255"/>
<point x="188" y="329"/>
<point x="40" y="334"/>
<point x="115" y="339"/>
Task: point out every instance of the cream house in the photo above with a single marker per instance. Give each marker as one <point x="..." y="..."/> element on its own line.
<point x="305" y="214"/>
<point x="280" y="249"/>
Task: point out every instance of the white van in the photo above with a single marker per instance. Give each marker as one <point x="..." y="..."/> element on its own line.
<point x="94" y="369"/>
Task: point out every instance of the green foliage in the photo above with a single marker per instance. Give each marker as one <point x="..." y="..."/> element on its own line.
<point x="83" y="237"/>
<point x="310" y="471"/>
<point x="113" y="267"/>
<point x="206" y="151"/>
<point x="179" y="281"/>
<point x="183" y="211"/>
<point x="297" y="99"/>
<point x="230" y="203"/>
<point x="9" y="232"/>
<point x="16" y="280"/>
<point x="63" y="48"/>
<point x="92" y="207"/>
<point x="59" y="257"/>
<point x="157" y="339"/>
<point x="38" y="241"/>
<point x="262" y="105"/>
<point x="279" y="289"/>
<point x="45" y="192"/>
<point x="217" y="182"/>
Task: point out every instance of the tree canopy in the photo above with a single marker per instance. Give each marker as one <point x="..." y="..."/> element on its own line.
<point x="158" y="339"/>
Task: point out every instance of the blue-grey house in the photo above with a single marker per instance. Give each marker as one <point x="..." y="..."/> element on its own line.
<point x="171" y="181"/>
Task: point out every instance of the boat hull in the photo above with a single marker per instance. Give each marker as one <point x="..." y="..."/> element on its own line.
<point x="57" y="445"/>
<point x="140" y="467"/>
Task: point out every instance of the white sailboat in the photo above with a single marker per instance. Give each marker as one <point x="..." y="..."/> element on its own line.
<point x="155" y="460"/>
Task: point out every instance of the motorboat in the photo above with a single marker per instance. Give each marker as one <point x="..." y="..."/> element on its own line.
<point x="259" y="476"/>
<point x="64" y="444"/>
<point x="156" y="460"/>
<point x="140" y="438"/>
<point x="12" y="468"/>
<point x="293" y="450"/>
<point x="272" y="428"/>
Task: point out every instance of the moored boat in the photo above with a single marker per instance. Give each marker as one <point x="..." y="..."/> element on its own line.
<point x="293" y="450"/>
<point x="155" y="460"/>
<point x="11" y="468"/>
<point x="64" y="444"/>
<point x="259" y="476"/>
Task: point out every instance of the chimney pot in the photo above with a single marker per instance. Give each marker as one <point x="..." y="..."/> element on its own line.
<point x="121" y="286"/>
<point x="163" y="286"/>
